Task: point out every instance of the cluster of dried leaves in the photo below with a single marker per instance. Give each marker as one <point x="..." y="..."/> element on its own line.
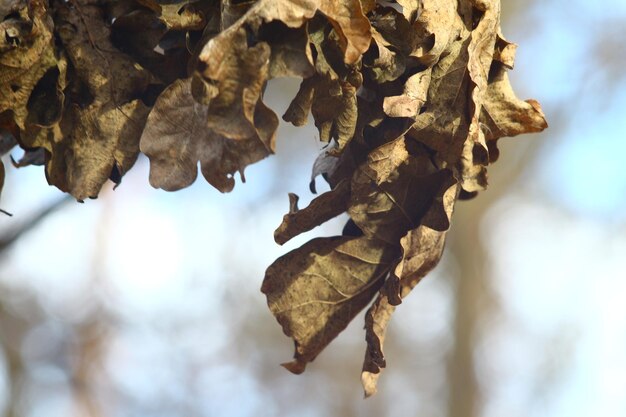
<point x="411" y="97"/>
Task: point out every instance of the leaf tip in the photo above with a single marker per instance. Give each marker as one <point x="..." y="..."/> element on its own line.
<point x="369" y="381"/>
<point x="295" y="366"/>
<point x="537" y="107"/>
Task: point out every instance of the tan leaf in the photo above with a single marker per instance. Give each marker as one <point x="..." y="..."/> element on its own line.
<point x="410" y="102"/>
<point x="176" y="137"/>
<point x="98" y="134"/>
<point x="438" y="26"/>
<point x="26" y="54"/>
<point x="323" y="208"/>
<point x="346" y="17"/>
<point x="451" y="126"/>
<point x="503" y="114"/>
<point x="388" y="64"/>
<point x="376" y="321"/>
<point x="317" y="289"/>
<point x="298" y="111"/>
<point x="291" y="54"/>
<point x="330" y="95"/>
<point x="504" y="51"/>
<point x="351" y="24"/>
<point x="393" y="191"/>
<point x="333" y="105"/>
<point x="334" y="109"/>
<point x="421" y="251"/>
<point x="410" y="9"/>
<point x="230" y="82"/>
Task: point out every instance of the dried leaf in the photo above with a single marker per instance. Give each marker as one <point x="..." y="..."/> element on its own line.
<point x="317" y="289"/>
<point x="503" y="114"/>
<point x="231" y="83"/>
<point x="322" y="208"/>
<point x="410" y="102"/>
<point x="26" y="54"/>
<point x="388" y="64"/>
<point x="421" y="251"/>
<point x="391" y="192"/>
<point x="291" y="55"/>
<point x="176" y="137"/>
<point x="410" y="96"/>
<point x="410" y="9"/>
<point x="100" y="127"/>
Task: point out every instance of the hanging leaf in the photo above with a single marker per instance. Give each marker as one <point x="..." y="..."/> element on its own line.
<point x="409" y="99"/>
<point x="317" y="289"/>
<point x="422" y="248"/>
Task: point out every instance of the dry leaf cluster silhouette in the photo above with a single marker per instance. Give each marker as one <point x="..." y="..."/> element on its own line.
<point x="411" y="97"/>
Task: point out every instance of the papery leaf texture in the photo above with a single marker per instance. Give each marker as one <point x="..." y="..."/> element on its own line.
<point x="409" y="99"/>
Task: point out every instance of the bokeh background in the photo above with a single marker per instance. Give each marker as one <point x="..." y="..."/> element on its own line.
<point x="147" y="303"/>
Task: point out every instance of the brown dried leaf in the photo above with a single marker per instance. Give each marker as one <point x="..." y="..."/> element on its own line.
<point x="333" y="105"/>
<point x="459" y="85"/>
<point x="410" y="102"/>
<point x="421" y="251"/>
<point x="503" y="114"/>
<point x="504" y="51"/>
<point x="231" y="82"/>
<point x="298" y="111"/>
<point x="393" y="191"/>
<point x="323" y="208"/>
<point x="142" y="33"/>
<point x="176" y="137"/>
<point x="291" y="53"/>
<point x="317" y="289"/>
<point x="439" y="26"/>
<point x="410" y="9"/>
<point x="351" y="25"/>
<point x="388" y="64"/>
<point x="26" y="54"/>
<point x="99" y="130"/>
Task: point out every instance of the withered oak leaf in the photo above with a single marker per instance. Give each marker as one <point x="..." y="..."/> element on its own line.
<point x="176" y="137"/>
<point x="410" y="102"/>
<point x="316" y="290"/>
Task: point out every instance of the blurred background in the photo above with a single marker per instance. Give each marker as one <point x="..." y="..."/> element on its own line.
<point x="147" y="303"/>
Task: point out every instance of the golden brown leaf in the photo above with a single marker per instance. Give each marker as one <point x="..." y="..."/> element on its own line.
<point x="388" y="64"/>
<point x="393" y="191"/>
<point x="317" y="289"/>
<point x="230" y="82"/>
<point x="322" y="208"/>
<point x="99" y="130"/>
<point x="26" y="54"/>
<point x="422" y="248"/>
<point x="176" y="137"/>
<point x="503" y="114"/>
<point x="410" y="102"/>
<point x="410" y="9"/>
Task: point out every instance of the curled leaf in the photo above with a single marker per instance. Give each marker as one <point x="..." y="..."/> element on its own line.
<point x="176" y="137"/>
<point x="322" y="208"/>
<point x="317" y="289"/>
<point x="422" y="248"/>
<point x="26" y="54"/>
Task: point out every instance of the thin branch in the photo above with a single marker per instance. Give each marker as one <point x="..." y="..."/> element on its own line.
<point x="13" y="235"/>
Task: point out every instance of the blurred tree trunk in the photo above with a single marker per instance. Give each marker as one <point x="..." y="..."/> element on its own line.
<point x="473" y="297"/>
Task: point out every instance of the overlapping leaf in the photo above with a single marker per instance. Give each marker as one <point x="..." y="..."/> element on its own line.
<point x="176" y="138"/>
<point x="410" y="99"/>
<point x="317" y="289"/>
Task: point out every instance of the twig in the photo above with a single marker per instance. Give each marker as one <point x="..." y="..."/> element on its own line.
<point x="13" y="235"/>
